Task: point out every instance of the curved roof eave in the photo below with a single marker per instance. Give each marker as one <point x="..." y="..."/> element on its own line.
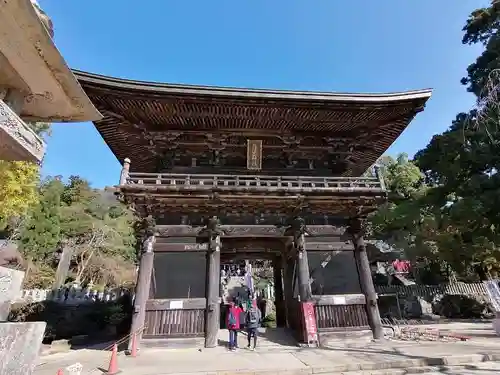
<point x="155" y="88"/>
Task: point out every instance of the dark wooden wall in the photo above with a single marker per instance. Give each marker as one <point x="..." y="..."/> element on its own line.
<point x="179" y="275"/>
<point x="164" y="318"/>
<point x="339" y="276"/>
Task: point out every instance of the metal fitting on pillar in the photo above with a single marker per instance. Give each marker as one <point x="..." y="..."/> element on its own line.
<point x="125" y="171"/>
<point x="379" y="176"/>
<point x="148" y="245"/>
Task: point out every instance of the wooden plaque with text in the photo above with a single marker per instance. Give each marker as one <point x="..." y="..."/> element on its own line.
<point x="254" y="154"/>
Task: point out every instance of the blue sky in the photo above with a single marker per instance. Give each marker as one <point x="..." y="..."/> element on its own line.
<point x="327" y="45"/>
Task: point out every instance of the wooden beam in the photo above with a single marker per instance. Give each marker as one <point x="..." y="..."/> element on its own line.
<point x="248" y="248"/>
<point x="212" y="204"/>
<point x="172" y="304"/>
<point x="240" y="256"/>
<point x="180" y="247"/>
<point x="329" y="246"/>
<point x="340" y="299"/>
<point x="247" y="231"/>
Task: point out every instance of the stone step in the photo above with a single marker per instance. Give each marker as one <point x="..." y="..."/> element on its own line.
<point x="473" y="368"/>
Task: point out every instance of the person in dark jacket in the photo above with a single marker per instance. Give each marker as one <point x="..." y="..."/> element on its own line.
<point x="252" y="323"/>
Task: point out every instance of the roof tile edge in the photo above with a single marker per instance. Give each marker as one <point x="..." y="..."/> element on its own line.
<point x="166" y="88"/>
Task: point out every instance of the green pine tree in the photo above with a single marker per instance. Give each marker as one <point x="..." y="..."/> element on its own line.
<point x="41" y="232"/>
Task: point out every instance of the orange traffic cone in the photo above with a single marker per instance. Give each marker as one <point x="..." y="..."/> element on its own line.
<point x="133" y="349"/>
<point x="113" y="362"/>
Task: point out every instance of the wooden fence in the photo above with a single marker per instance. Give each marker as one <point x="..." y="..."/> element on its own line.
<point x="76" y="295"/>
<point x="473" y="290"/>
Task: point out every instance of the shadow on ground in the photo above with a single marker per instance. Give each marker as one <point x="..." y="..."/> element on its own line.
<point x="103" y="343"/>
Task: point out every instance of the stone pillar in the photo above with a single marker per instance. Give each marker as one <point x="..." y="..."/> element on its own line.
<point x="365" y="278"/>
<point x="142" y="289"/>
<point x="63" y="266"/>
<point x="279" y="300"/>
<point x="20" y="342"/>
<point x="212" y="315"/>
<point x="125" y="171"/>
<point x="303" y="274"/>
<point x="11" y="282"/>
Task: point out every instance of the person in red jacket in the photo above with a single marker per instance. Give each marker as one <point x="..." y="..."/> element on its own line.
<point x="233" y="324"/>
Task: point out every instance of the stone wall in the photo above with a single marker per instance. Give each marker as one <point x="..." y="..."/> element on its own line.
<point x="20" y="343"/>
<point x="417" y="301"/>
<point x="73" y="295"/>
<point x="10" y="285"/>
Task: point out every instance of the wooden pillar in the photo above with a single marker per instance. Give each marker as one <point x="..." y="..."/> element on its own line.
<point x="365" y="278"/>
<point x="304" y="276"/>
<point x="212" y="315"/>
<point x="142" y="290"/>
<point x="288" y="285"/>
<point x="125" y="171"/>
<point x="279" y="300"/>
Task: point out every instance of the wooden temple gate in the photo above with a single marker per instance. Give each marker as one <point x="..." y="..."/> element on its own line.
<point x="185" y="317"/>
<point x="286" y="245"/>
<point x="219" y="172"/>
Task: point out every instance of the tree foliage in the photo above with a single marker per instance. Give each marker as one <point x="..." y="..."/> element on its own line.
<point x="41" y="232"/>
<point x="18" y="189"/>
<point x="19" y="183"/>
<point x="92" y="222"/>
<point x="452" y="216"/>
<point x="42" y="129"/>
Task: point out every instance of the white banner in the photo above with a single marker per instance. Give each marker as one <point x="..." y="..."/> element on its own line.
<point x="249" y="278"/>
<point x="494" y="293"/>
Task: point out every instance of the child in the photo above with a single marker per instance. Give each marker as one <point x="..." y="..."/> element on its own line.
<point x="233" y="324"/>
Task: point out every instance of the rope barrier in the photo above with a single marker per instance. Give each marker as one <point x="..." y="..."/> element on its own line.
<point x="118" y="343"/>
<point x="106" y="349"/>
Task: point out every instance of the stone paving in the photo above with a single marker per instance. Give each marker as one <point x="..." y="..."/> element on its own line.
<point x="360" y="356"/>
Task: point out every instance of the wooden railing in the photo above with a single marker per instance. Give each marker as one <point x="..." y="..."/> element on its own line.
<point x="473" y="289"/>
<point x="331" y="317"/>
<point x="256" y="182"/>
<point x="340" y="312"/>
<point x="175" y="323"/>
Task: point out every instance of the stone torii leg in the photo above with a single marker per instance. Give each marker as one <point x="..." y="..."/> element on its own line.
<point x="365" y="278"/>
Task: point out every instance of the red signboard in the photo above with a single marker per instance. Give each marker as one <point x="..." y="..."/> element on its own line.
<point x="309" y="320"/>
